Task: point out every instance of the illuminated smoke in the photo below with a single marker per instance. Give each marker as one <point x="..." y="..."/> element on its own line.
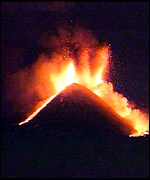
<point x="74" y="56"/>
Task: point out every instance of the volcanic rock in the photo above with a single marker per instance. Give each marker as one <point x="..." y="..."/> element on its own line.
<point x="77" y="135"/>
<point x="77" y="107"/>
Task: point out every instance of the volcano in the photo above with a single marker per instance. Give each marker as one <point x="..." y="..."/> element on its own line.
<point x="77" y="107"/>
<point x="76" y="135"/>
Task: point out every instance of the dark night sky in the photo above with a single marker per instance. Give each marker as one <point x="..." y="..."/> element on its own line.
<point x="125" y="25"/>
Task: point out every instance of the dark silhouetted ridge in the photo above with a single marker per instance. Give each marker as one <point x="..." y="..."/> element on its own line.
<point x="78" y="107"/>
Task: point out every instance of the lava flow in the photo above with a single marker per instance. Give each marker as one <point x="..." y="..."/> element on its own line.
<point x="90" y="68"/>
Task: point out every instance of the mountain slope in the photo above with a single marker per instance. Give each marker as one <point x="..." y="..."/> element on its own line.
<point x="77" y="106"/>
<point x="76" y="135"/>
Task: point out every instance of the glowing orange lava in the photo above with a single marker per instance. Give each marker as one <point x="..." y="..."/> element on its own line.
<point x="91" y="72"/>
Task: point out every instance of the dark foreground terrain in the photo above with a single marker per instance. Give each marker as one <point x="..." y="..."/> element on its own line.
<point x="76" y="135"/>
<point x="82" y="153"/>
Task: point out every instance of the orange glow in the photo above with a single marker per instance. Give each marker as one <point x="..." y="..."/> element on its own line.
<point x="63" y="78"/>
<point x="37" y="111"/>
<point x="64" y="70"/>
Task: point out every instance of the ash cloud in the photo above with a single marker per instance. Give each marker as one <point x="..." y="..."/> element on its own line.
<point x="26" y="88"/>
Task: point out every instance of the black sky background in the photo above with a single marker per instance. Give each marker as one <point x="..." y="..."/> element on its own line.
<point x="125" y="25"/>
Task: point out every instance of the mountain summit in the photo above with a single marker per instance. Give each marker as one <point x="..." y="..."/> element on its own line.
<point x="78" y="107"/>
